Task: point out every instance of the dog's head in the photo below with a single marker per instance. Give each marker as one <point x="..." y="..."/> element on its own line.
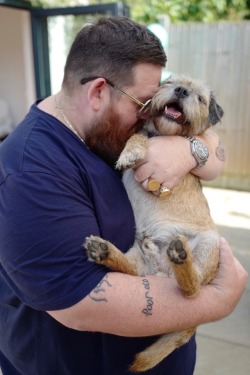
<point x="184" y="106"/>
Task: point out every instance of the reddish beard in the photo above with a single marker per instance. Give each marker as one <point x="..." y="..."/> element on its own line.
<point x="107" y="138"/>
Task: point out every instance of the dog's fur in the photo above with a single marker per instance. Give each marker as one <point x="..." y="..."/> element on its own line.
<point x="174" y="234"/>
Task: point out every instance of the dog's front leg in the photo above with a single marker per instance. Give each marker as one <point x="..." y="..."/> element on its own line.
<point x="134" y="151"/>
<point x="104" y="252"/>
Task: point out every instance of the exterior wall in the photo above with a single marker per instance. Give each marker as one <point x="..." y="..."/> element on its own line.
<point x="17" y="86"/>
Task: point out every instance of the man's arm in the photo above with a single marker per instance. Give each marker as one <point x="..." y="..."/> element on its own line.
<point x="143" y="306"/>
<point x="216" y="159"/>
<point x="169" y="159"/>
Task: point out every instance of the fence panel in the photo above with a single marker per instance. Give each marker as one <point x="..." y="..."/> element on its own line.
<point x="219" y="54"/>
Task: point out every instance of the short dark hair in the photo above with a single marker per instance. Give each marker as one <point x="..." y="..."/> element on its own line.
<point x="111" y="48"/>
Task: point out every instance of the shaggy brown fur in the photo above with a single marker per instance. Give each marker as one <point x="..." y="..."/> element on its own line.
<point x="175" y="234"/>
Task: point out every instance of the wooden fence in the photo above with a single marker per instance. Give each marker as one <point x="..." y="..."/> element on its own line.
<point x="219" y="54"/>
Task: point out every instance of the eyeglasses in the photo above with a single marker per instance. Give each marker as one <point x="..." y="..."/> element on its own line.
<point x="144" y="106"/>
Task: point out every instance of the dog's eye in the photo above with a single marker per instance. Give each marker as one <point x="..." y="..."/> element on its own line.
<point x="202" y="100"/>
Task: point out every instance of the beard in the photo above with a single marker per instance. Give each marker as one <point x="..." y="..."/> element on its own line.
<point x="108" y="137"/>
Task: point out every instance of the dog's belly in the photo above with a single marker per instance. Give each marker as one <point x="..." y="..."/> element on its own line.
<point x="185" y="208"/>
<point x="159" y="221"/>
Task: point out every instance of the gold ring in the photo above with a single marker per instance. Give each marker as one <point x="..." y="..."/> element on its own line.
<point x="153" y="185"/>
<point x="164" y="191"/>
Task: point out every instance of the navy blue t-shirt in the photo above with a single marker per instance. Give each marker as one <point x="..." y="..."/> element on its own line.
<point x="53" y="193"/>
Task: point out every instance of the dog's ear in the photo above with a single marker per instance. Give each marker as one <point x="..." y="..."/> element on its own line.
<point x="215" y="110"/>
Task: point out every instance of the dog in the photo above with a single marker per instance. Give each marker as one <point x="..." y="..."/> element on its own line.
<point x="175" y="235"/>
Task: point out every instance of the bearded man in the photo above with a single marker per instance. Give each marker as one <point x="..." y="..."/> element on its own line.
<point x="59" y="313"/>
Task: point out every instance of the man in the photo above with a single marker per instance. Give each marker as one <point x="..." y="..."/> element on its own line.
<point x="59" y="313"/>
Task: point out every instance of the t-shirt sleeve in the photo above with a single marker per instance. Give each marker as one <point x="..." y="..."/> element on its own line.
<point x="48" y="219"/>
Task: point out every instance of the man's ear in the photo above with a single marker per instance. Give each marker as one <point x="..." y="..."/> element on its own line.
<point x="97" y="92"/>
<point x="215" y="110"/>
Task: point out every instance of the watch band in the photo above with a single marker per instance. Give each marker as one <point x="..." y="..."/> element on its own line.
<point x="199" y="150"/>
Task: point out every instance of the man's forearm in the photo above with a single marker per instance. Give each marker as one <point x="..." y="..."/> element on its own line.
<point x="216" y="159"/>
<point x="133" y="306"/>
<point x="144" y="306"/>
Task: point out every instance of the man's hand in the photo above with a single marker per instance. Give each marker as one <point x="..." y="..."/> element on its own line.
<point x="230" y="280"/>
<point x="169" y="160"/>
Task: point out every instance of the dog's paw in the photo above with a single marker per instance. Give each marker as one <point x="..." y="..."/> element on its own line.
<point x="129" y="158"/>
<point x="176" y="252"/>
<point x="97" y="249"/>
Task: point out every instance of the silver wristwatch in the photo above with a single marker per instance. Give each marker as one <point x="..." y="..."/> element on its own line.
<point x="199" y="150"/>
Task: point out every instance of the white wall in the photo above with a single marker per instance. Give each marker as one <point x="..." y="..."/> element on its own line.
<point x="17" y="86"/>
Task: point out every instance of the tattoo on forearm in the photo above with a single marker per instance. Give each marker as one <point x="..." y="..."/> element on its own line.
<point x="220" y="151"/>
<point x="98" y="294"/>
<point x="149" y="300"/>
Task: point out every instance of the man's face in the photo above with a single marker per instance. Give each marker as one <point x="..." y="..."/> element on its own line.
<point x="120" y="120"/>
<point x="108" y="136"/>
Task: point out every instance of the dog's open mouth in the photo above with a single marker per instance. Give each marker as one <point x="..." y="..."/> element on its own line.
<point x="173" y="111"/>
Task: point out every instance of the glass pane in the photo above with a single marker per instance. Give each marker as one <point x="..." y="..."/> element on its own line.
<point x="61" y="32"/>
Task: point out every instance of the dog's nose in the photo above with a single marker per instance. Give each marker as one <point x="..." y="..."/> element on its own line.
<point x="181" y="92"/>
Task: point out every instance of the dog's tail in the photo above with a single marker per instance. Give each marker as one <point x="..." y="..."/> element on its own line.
<point x="159" y="350"/>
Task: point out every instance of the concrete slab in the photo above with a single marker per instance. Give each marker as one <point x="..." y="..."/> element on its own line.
<point x="224" y="346"/>
<point x="217" y="357"/>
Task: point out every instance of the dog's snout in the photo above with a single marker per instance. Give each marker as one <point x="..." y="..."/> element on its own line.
<point x="181" y="92"/>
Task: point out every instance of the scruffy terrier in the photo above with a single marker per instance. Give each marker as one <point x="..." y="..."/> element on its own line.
<point x="175" y="235"/>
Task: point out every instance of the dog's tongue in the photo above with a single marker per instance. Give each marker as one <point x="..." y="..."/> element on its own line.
<point x="172" y="112"/>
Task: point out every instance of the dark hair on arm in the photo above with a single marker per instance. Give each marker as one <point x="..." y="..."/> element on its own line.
<point x="111" y="48"/>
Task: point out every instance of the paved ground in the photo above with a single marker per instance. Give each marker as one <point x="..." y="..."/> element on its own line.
<point x="224" y="347"/>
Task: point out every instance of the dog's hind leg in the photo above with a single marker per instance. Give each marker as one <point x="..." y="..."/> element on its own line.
<point x="105" y="253"/>
<point x="185" y="270"/>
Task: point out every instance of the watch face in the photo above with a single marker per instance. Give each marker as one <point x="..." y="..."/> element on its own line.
<point x="201" y="150"/>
